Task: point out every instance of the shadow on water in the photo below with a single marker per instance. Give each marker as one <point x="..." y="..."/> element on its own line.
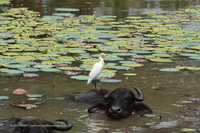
<point x="163" y="91"/>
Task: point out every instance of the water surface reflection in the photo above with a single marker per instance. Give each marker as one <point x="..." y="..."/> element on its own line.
<point x="118" y="8"/>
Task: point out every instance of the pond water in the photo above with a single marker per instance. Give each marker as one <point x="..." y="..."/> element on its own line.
<point x="166" y="102"/>
<point x="163" y="91"/>
<point x="118" y="8"/>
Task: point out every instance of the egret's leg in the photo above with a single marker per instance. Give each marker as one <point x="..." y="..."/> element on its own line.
<point x="94" y="83"/>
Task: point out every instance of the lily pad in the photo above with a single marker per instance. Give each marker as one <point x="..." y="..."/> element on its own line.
<point x="106" y="75"/>
<point x="161" y="55"/>
<point x="29" y="63"/>
<point x="34" y="95"/>
<point x="97" y="40"/>
<point x="113" y="59"/>
<point x="43" y="66"/>
<point x="45" y="58"/>
<point x="50" y="70"/>
<point x="188" y="54"/>
<point x="133" y="65"/>
<point x="67" y="9"/>
<point x="169" y="69"/>
<point x="195" y="57"/>
<point x="64" y="14"/>
<point x="129" y="74"/>
<point x="12" y="71"/>
<point x="16" y="66"/>
<point x="29" y="69"/>
<point x="4" y="97"/>
<point x="120" y="67"/>
<point x="80" y="77"/>
<point x="141" y="51"/>
<point x="160" y="60"/>
<point x="128" y="62"/>
<point x="111" y="80"/>
<point x="188" y="130"/>
<point x="124" y="54"/>
<point x="8" y="61"/>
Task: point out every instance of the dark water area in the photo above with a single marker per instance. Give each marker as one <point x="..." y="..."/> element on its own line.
<point x="118" y="8"/>
<point x="165" y="101"/>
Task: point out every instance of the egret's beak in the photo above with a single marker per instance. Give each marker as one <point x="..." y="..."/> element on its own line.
<point x="105" y="54"/>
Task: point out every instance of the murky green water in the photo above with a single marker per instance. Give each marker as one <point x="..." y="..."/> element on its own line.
<point x="119" y="8"/>
<point x="165" y="102"/>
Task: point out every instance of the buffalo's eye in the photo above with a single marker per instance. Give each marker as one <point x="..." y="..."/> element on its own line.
<point x="128" y="99"/>
<point x="109" y="98"/>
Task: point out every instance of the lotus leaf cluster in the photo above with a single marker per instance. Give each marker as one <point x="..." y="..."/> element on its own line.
<point x="63" y="41"/>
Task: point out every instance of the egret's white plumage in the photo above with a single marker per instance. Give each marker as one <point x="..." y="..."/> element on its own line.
<point x="96" y="69"/>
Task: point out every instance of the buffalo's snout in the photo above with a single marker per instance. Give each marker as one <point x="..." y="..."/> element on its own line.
<point x="115" y="112"/>
<point x="115" y="109"/>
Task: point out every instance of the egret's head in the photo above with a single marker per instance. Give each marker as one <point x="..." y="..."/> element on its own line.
<point x="102" y="55"/>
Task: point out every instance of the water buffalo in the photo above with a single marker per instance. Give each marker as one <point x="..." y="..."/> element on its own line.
<point x="117" y="104"/>
<point x="33" y="125"/>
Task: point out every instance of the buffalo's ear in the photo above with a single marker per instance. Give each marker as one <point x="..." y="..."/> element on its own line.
<point x="98" y="108"/>
<point x="141" y="108"/>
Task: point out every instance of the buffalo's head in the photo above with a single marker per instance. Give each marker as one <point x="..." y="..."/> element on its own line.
<point x="34" y="125"/>
<point x="120" y="103"/>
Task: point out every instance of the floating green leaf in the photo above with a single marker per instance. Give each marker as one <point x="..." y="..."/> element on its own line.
<point x="169" y="69"/>
<point x="29" y="69"/>
<point x="67" y="9"/>
<point x="160" y="60"/>
<point x="43" y="66"/>
<point x="140" y="51"/>
<point x="112" y="59"/>
<point x="188" y="130"/>
<point x="128" y="62"/>
<point x="17" y="66"/>
<point x="34" y="95"/>
<point x="64" y="14"/>
<point x="106" y="75"/>
<point x="129" y="74"/>
<point x="195" y="57"/>
<point x="45" y="58"/>
<point x="124" y="54"/>
<point x="111" y="80"/>
<point x="50" y="70"/>
<point x="133" y="65"/>
<point x="120" y="67"/>
<point x="80" y="77"/>
<point x="29" y="63"/>
<point x="8" y="61"/>
<point x="12" y="71"/>
<point x="4" y="97"/>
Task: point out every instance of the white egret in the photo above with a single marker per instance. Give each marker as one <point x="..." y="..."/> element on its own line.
<point x="96" y="69"/>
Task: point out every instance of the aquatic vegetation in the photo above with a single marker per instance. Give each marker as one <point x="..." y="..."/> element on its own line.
<point x="62" y="42"/>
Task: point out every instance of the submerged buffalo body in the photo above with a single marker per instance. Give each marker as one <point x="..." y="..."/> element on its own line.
<point x="33" y="125"/>
<point x="117" y="104"/>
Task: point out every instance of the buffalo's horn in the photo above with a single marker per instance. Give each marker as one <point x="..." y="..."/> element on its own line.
<point x="140" y="96"/>
<point x="25" y="121"/>
<point x="106" y="96"/>
<point x="68" y="127"/>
